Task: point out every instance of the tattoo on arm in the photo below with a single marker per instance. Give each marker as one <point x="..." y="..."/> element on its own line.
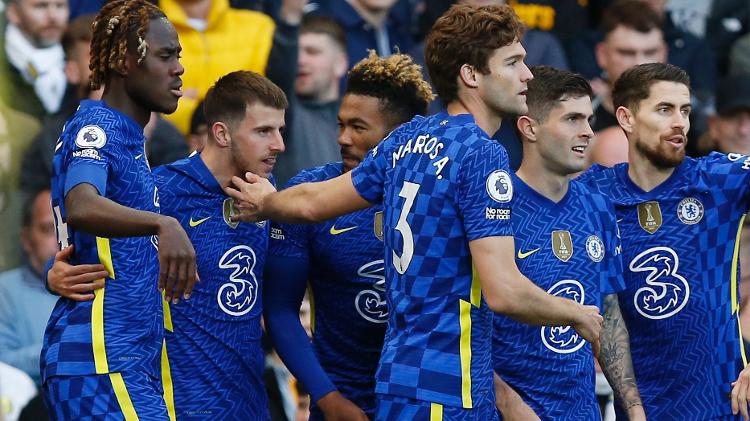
<point x="614" y="356"/>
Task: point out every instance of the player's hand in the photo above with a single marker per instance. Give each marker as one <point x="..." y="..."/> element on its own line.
<point x="177" y="270"/>
<point x="589" y="324"/>
<point x="511" y="405"/>
<point x="248" y="196"/>
<point x="741" y="393"/>
<point x="74" y="282"/>
<point x="336" y="407"/>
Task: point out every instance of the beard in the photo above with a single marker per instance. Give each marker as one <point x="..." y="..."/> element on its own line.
<point x="661" y="155"/>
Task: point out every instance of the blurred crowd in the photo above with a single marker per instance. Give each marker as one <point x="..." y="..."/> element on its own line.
<point x="306" y="47"/>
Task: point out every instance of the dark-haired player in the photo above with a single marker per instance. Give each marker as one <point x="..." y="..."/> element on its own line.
<point x="567" y="242"/>
<point x="680" y="220"/>
<point x="342" y="259"/>
<point x="444" y="221"/>
<point x="101" y="358"/>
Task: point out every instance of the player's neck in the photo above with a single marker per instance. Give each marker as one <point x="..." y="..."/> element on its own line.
<point x="645" y="174"/>
<point x="545" y="182"/>
<point x="215" y="162"/>
<point x="119" y="100"/>
<point x="483" y="116"/>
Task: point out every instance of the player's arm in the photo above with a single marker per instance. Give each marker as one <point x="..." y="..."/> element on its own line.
<point x="283" y="290"/>
<point x="614" y="358"/>
<point x="510" y="404"/>
<point x="509" y="292"/>
<point x="90" y="212"/>
<point x="257" y="199"/>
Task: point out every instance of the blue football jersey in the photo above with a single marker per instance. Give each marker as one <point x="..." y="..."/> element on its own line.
<point x="344" y="257"/>
<point x="680" y="259"/>
<point x="122" y="328"/>
<point x="570" y="249"/>
<point x="443" y="183"/>
<point x="215" y="358"/>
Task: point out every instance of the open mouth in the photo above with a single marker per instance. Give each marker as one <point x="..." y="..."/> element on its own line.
<point x="677" y="141"/>
<point x="579" y="149"/>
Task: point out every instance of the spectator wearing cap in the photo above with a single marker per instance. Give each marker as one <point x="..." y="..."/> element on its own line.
<point x="729" y="127"/>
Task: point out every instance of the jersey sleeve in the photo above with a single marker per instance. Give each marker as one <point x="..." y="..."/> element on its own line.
<point x="90" y="158"/>
<point x="369" y="176"/>
<point x="732" y="174"/>
<point x="484" y="192"/>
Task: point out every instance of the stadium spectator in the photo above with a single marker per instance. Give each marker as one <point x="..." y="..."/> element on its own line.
<point x="314" y="98"/>
<point x="16" y="133"/>
<point x="739" y="57"/>
<point x="380" y="25"/>
<point x="34" y="55"/>
<point x="729" y="127"/>
<point x="632" y="35"/>
<point x="217" y="39"/>
<point x="25" y="305"/>
<point x="727" y="22"/>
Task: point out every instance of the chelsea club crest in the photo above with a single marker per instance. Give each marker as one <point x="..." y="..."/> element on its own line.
<point x="690" y="211"/>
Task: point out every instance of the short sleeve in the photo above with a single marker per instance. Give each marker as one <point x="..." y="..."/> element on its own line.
<point x="90" y="157"/>
<point x="484" y="192"/>
<point x="369" y="176"/>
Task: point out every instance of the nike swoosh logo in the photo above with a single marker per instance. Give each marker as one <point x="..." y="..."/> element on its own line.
<point x="194" y="224"/>
<point x="137" y="157"/>
<point x="523" y="255"/>
<point x="335" y="231"/>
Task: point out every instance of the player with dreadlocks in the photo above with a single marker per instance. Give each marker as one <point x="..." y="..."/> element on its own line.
<point x="342" y="258"/>
<point x="101" y="358"/>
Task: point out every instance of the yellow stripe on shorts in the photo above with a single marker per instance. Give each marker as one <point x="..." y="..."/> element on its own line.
<point x="123" y="398"/>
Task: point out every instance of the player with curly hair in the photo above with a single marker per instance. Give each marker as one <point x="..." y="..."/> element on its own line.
<point x="342" y="259"/>
<point x="101" y="358"/>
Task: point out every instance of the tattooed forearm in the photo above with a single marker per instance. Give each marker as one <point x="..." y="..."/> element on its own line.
<point x="614" y="356"/>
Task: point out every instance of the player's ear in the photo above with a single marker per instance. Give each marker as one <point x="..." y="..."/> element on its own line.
<point x="220" y="132"/>
<point x="527" y="128"/>
<point x="625" y="118"/>
<point x="468" y="75"/>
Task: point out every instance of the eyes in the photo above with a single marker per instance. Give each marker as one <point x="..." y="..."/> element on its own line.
<point x="665" y="110"/>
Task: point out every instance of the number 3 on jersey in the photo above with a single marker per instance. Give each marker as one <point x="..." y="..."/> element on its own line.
<point x="401" y="263"/>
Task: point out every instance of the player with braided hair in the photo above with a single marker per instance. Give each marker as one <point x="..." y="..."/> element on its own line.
<point x="342" y="258"/>
<point x="101" y="358"/>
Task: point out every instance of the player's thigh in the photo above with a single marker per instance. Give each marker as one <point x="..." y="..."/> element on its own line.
<point x="114" y="396"/>
<point x="397" y="408"/>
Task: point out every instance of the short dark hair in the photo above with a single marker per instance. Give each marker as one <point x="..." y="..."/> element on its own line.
<point x="634" y="85"/>
<point x="396" y="81"/>
<point x="549" y="86"/>
<point x="228" y="99"/>
<point x="467" y="35"/>
<point x="633" y="14"/>
<point x="78" y="30"/>
<point x="326" y="26"/>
